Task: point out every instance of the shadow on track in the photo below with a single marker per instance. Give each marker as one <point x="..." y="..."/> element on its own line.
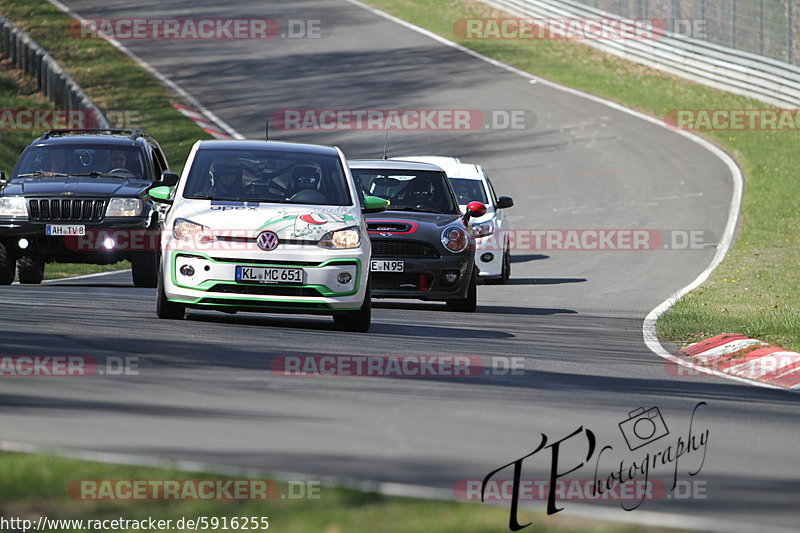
<point x="543" y="281"/>
<point x="524" y="258"/>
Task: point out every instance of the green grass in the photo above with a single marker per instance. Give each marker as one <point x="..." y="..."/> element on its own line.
<point x="120" y="87"/>
<point x="35" y="485"/>
<point x="66" y="270"/>
<point x="17" y="92"/>
<point x="756" y="290"/>
<point x="123" y="90"/>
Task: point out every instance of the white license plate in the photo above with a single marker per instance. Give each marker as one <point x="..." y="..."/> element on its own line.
<point x="386" y="266"/>
<point x="64" y="230"/>
<point x="269" y="275"/>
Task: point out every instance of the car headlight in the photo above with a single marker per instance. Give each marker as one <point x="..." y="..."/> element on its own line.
<point x="13" y="206"/>
<point x="342" y="238"/>
<point x="483" y="229"/>
<point x="455" y="238"/>
<point x="124" y="207"/>
<point x="186" y="230"/>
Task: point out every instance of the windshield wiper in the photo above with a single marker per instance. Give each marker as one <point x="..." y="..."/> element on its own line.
<point x="96" y="174"/>
<point x="42" y="174"/>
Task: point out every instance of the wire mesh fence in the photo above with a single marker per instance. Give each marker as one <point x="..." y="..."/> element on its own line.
<point x="769" y="28"/>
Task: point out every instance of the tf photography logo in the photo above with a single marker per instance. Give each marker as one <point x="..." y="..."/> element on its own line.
<point x="643" y="429"/>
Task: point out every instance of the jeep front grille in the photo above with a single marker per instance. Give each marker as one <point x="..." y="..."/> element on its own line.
<point x="66" y="209"/>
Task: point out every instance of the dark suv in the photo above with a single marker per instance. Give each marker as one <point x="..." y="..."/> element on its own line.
<point x="77" y="196"/>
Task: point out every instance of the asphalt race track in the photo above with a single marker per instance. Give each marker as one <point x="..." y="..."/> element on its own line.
<point x="205" y="391"/>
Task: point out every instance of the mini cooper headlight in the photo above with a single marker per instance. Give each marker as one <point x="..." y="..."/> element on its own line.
<point x="124" y="207"/>
<point x="455" y="239"/>
<point x="13" y="206"/>
<point x="186" y="230"/>
<point x="483" y="229"/>
<point x="343" y="238"/>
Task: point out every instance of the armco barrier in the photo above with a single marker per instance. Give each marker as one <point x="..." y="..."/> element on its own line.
<point x="53" y="81"/>
<point x="758" y="77"/>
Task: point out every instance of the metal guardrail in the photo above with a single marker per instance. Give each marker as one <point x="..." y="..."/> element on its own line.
<point x="759" y="77"/>
<point x="58" y="86"/>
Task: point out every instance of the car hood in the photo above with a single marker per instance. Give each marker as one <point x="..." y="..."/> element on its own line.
<point x="76" y="186"/>
<point x="301" y="222"/>
<point x="435" y="219"/>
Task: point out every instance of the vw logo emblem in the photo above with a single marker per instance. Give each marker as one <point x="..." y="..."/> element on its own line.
<point x="267" y="240"/>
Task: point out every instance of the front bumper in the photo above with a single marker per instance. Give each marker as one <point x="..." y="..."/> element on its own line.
<point x="213" y="281"/>
<point x="74" y="249"/>
<point x="424" y="278"/>
<point x="489" y="256"/>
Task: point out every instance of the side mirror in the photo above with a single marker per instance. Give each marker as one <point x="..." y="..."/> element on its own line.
<point x="161" y="194"/>
<point x="504" y="202"/>
<point x="474" y="209"/>
<point x="3" y="179"/>
<point x="168" y="179"/>
<point x="374" y="204"/>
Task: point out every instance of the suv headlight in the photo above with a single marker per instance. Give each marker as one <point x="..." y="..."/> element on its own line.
<point x="483" y="229"/>
<point x="13" y="206"/>
<point x="342" y="238"/>
<point x="186" y="230"/>
<point x="455" y="238"/>
<point x="124" y="207"/>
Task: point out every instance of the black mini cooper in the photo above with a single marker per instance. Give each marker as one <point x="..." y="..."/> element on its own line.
<point x="422" y="246"/>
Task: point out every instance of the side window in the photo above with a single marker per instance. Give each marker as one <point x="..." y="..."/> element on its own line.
<point x="158" y="163"/>
<point x="491" y="189"/>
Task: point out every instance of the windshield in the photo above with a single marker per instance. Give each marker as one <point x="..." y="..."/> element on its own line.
<point x="63" y="160"/>
<point x="468" y="190"/>
<point x="267" y="176"/>
<point x="408" y="190"/>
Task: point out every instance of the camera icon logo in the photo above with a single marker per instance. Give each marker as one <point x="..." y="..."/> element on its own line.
<point x="643" y="427"/>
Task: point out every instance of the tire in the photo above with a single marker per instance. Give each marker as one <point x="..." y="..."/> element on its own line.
<point x="30" y="270"/>
<point x="470" y="303"/>
<point x="165" y="308"/>
<point x="506" y="274"/>
<point x="7" y="267"/>
<point x="144" y="268"/>
<point x="356" y="321"/>
<point x="505" y="270"/>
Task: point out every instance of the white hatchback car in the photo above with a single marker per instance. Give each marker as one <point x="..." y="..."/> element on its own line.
<point x="471" y="184"/>
<point x="266" y="226"/>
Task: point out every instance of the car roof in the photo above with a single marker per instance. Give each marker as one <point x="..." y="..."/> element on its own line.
<point x="392" y="164"/>
<point x="88" y="140"/>
<point x="452" y="166"/>
<point x="282" y="146"/>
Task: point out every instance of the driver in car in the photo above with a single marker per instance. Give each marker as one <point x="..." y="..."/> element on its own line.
<point x="227" y="179"/>
<point x="118" y="161"/>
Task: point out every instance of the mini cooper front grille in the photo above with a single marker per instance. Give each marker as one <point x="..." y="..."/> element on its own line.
<point x="71" y="209"/>
<point x="401" y="248"/>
